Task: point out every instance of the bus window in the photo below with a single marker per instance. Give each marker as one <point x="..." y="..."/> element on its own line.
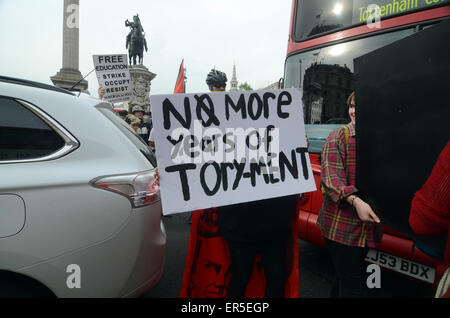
<point x="327" y="79"/>
<point x="319" y="17"/>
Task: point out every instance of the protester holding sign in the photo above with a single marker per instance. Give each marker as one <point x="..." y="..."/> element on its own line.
<point x="253" y="228"/>
<point x="259" y="238"/>
<point x="348" y="224"/>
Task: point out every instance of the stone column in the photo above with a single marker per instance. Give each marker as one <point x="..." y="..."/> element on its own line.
<point x="69" y="75"/>
<point x="141" y="79"/>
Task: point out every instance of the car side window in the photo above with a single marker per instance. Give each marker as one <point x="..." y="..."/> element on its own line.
<point x="23" y="134"/>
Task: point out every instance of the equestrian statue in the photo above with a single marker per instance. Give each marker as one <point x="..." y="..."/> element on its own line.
<point x="136" y="40"/>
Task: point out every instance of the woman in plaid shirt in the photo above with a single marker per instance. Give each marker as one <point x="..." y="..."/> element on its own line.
<point x="347" y="223"/>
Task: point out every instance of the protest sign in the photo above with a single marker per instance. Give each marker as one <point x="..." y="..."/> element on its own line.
<point x="222" y="148"/>
<point x="114" y="76"/>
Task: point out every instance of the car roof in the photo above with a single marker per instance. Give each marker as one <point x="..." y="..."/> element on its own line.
<point x="19" y="81"/>
<point x="40" y="94"/>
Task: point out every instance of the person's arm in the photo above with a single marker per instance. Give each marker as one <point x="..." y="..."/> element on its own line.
<point x="430" y="207"/>
<point x="335" y="181"/>
<point x="156" y="177"/>
<point x="151" y="139"/>
<point x="333" y="175"/>
<point x="365" y="212"/>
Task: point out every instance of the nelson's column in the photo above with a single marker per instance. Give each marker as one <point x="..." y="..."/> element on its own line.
<point x="70" y="75"/>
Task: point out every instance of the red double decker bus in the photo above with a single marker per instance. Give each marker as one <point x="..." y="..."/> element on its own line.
<point x="324" y="39"/>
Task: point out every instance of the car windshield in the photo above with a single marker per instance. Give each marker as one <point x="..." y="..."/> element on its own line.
<point x="317" y="135"/>
<point x="326" y="77"/>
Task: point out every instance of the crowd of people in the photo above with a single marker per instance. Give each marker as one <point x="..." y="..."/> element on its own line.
<point x="256" y="254"/>
<point x="139" y="120"/>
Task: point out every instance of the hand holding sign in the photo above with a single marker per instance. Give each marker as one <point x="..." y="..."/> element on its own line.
<point x="101" y="92"/>
<point x="156" y="177"/>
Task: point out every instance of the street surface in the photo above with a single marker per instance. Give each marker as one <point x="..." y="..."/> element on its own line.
<point x="316" y="270"/>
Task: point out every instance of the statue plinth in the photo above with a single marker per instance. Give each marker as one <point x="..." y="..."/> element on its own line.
<point x="67" y="78"/>
<point x="141" y="79"/>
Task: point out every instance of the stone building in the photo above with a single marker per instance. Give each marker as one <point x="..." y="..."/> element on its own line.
<point x="275" y="85"/>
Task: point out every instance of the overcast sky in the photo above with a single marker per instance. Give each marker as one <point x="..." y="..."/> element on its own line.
<point x="206" y="33"/>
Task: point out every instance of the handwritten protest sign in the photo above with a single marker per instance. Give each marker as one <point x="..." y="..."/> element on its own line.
<point x="114" y="76"/>
<point x="224" y="148"/>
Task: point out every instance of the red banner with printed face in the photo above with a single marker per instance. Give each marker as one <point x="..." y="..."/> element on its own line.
<point x="207" y="272"/>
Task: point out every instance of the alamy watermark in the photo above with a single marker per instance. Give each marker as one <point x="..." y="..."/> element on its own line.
<point x="74" y="279"/>
<point x="374" y="279"/>
<point x="73" y="16"/>
<point x="373" y="17"/>
<point x="259" y="145"/>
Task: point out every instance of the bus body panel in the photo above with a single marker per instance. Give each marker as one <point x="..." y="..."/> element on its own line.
<point x="393" y="242"/>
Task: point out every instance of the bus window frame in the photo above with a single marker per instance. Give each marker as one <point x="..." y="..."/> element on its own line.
<point x="362" y="36"/>
<point x="413" y="26"/>
<point x="352" y="26"/>
<point x="407" y="20"/>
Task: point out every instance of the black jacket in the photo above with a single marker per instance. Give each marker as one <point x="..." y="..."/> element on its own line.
<point x="257" y="221"/>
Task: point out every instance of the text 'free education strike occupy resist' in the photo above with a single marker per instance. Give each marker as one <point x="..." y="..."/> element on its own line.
<point x="114" y="76"/>
<point x="269" y="167"/>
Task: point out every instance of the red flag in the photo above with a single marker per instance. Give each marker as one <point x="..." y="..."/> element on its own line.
<point x="179" y="86"/>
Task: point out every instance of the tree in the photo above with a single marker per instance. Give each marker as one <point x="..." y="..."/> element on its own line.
<point x="245" y="87"/>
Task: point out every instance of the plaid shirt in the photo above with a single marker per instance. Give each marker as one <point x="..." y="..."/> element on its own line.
<point x="337" y="219"/>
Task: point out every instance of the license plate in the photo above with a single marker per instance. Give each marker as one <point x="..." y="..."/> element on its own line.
<point x="401" y="265"/>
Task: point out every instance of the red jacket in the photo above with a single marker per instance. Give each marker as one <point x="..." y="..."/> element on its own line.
<point x="430" y="209"/>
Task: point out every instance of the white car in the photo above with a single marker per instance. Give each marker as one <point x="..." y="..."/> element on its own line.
<point x="80" y="215"/>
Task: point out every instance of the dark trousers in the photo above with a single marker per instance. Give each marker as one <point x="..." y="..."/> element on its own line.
<point x="274" y="262"/>
<point x="350" y="269"/>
